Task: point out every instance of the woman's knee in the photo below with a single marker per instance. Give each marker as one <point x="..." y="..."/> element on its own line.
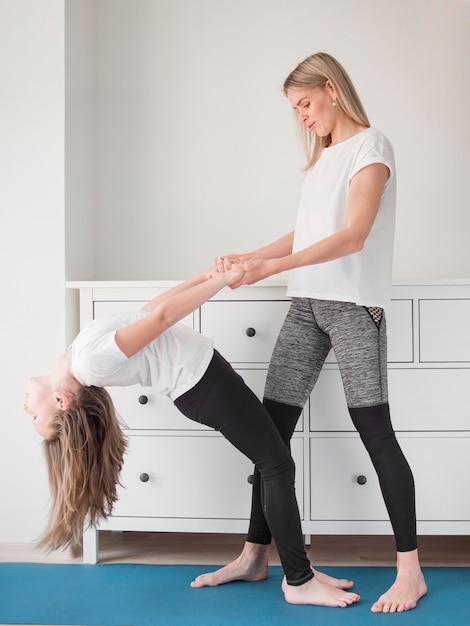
<point x="372" y="422"/>
<point x="284" y="416"/>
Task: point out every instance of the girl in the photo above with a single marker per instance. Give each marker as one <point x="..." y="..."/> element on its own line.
<point x="85" y="446"/>
<point x="340" y="257"/>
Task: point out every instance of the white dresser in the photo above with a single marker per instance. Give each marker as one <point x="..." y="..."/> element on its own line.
<point x="179" y="476"/>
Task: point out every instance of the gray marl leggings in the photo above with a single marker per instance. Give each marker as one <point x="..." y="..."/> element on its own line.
<point x="358" y="337"/>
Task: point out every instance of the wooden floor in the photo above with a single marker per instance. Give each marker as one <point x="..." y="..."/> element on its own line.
<point x="215" y="549"/>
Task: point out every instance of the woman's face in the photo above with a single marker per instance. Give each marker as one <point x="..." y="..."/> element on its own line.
<point x="41" y="403"/>
<point x="315" y="109"/>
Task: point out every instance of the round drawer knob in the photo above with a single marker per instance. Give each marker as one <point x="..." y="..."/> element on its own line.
<point x="361" y="480"/>
<point x="250" y="479"/>
<point x="251" y="332"/>
<point x="144" y="478"/>
<point x="143" y="399"/>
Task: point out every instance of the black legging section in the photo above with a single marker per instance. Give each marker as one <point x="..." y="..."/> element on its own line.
<point x="223" y="401"/>
<point x="285" y="418"/>
<point x="395" y="477"/>
<point x="394" y="474"/>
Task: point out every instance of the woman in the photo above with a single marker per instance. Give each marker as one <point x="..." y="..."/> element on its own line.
<point x="340" y="262"/>
<point x="85" y="446"/>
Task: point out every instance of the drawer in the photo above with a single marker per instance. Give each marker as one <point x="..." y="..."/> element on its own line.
<point x="188" y="477"/>
<point x="444" y="331"/>
<point x="231" y="325"/>
<point x="438" y="463"/>
<point x="201" y="477"/>
<point x="336" y="465"/>
<point x="420" y="400"/>
<point x="143" y="408"/>
<point x="441" y="466"/>
<point x="399" y="333"/>
<point x="430" y="399"/>
<point x="244" y="331"/>
<point x="103" y="308"/>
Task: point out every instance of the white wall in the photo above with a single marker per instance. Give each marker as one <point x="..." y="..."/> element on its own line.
<point x="79" y="151"/>
<point x="79" y="138"/>
<point x="32" y="263"/>
<point x="195" y="148"/>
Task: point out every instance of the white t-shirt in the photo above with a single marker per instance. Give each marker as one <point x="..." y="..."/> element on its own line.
<point x="365" y="277"/>
<point x="173" y="363"/>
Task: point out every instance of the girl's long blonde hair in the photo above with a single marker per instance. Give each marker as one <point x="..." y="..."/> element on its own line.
<point x="315" y="71"/>
<point x="84" y="459"/>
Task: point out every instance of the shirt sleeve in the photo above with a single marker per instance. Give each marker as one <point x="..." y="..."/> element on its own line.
<point x="375" y="148"/>
<point x="96" y="357"/>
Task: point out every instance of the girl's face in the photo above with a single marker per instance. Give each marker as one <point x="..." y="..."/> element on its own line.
<point x="41" y="403"/>
<point x="315" y="109"/>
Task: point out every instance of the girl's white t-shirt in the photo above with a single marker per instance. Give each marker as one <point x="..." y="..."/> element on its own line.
<point x="365" y="277"/>
<point x="172" y="363"/>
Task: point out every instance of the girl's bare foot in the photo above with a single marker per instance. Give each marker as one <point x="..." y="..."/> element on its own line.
<point x="251" y="565"/>
<point x="318" y="593"/>
<point x="339" y="583"/>
<point x="408" y="588"/>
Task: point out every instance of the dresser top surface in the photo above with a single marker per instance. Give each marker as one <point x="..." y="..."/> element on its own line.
<point x="276" y="282"/>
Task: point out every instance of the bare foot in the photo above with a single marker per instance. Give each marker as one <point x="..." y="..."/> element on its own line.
<point x="338" y="583"/>
<point x="318" y="593"/>
<point x="251" y="565"/>
<point x="408" y="588"/>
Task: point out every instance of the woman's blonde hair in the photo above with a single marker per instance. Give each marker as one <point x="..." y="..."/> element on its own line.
<point x="84" y="459"/>
<point x="315" y="71"/>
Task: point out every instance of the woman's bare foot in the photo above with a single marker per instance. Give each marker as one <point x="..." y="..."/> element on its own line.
<point x="251" y="565"/>
<point x="338" y="583"/>
<point x="318" y="593"/>
<point x="408" y="588"/>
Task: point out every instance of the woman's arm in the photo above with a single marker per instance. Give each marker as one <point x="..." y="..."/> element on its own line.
<point x="164" y="312"/>
<point x="362" y="204"/>
<point x="279" y="248"/>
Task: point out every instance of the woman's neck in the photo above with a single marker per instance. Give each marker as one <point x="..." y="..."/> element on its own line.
<point x="345" y="129"/>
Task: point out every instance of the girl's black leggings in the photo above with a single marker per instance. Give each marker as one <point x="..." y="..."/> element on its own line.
<point x="223" y="401"/>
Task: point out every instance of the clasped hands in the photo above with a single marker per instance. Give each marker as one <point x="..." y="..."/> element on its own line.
<point x="243" y="270"/>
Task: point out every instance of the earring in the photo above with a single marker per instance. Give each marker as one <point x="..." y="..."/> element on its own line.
<point x="333" y="103"/>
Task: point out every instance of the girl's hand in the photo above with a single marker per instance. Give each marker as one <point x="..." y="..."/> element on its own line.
<point x="228" y="276"/>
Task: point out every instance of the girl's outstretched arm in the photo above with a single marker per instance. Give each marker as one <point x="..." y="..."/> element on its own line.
<point x="172" y="307"/>
<point x="195" y="280"/>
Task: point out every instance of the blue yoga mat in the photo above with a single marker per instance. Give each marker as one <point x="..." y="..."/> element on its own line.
<point x="154" y="595"/>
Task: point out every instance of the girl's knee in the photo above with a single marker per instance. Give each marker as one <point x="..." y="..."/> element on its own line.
<point x="278" y="469"/>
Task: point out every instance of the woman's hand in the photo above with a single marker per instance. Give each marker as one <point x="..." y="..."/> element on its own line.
<point x="240" y="272"/>
<point x="224" y="263"/>
<point x="253" y="271"/>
